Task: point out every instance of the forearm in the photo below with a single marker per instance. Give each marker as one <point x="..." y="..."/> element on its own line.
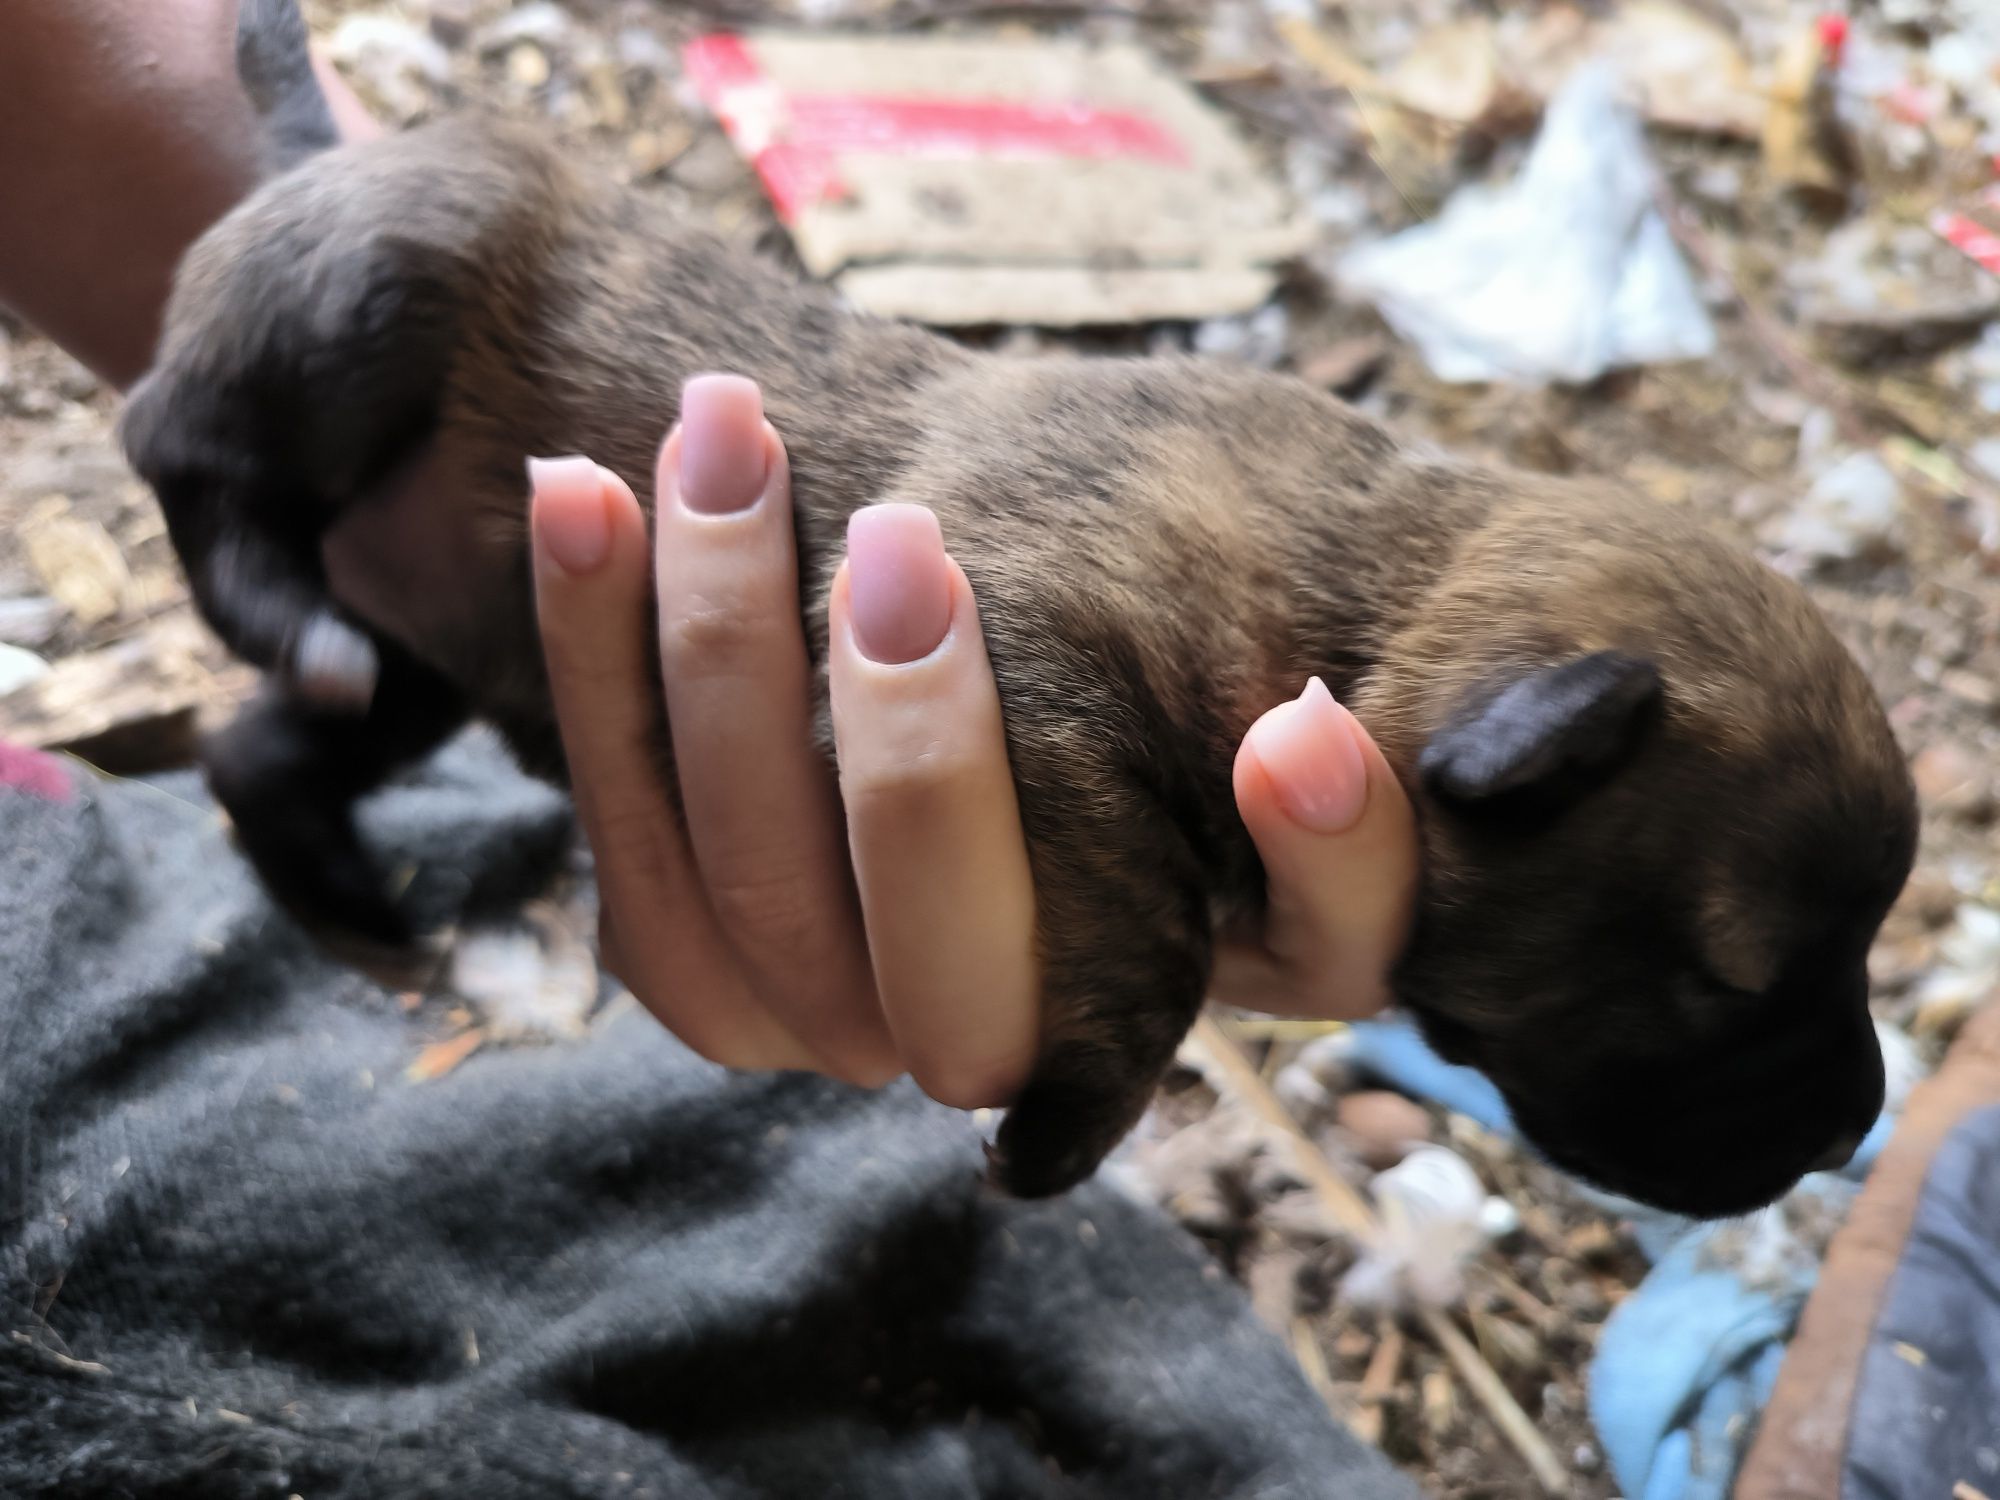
<point x="123" y="135"/>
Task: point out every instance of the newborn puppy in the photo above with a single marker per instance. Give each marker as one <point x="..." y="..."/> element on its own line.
<point x="1662" y="812"/>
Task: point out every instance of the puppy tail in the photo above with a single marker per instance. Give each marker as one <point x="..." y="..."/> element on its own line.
<point x="274" y="62"/>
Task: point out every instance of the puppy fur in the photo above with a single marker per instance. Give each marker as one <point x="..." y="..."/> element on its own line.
<point x="1662" y="812"/>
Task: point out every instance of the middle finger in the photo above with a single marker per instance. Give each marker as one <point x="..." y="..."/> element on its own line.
<point x="761" y="809"/>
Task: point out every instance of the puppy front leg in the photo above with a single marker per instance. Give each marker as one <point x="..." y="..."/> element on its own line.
<point x="289" y="774"/>
<point x="1127" y="955"/>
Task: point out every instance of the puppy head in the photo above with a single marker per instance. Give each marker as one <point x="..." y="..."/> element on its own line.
<point x="1664" y="817"/>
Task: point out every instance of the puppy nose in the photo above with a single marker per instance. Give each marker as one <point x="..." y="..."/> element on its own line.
<point x="1839" y="1154"/>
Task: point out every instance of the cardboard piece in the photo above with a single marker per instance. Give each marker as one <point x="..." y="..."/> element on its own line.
<point x="963" y="182"/>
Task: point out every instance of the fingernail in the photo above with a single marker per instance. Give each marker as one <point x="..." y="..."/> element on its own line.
<point x="899" y="583"/>
<point x="1312" y="753"/>
<point x="569" y="512"/>
<point x="723" y="459"/>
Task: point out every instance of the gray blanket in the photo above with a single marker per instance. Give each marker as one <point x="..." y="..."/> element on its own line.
<point x="241" y="1254"/>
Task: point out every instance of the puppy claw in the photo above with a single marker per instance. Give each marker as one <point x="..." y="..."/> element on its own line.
<point x="334" y="666"/>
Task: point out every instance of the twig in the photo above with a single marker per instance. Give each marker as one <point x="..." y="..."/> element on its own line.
<point x="1347" y="1206"/>
<point x="1385" y="1368"/>
<point x="1354" y="1214"/>
<point x="1312" y="1359"/>
<point x="1525" y="1302"/>
<point x="1863" y="419"/>
<point x="66" y="1361"/>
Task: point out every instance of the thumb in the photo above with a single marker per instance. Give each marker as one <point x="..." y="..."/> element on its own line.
<point x="1338" y="839"/>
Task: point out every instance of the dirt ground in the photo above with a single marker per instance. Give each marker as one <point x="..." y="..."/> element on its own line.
<point x="1739" y="438"/>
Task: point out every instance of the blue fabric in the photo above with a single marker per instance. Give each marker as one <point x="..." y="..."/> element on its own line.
<point x="1926" y="1410"/>
<point x="1394" y="1051"/>
<point x="1684" y="1366"/>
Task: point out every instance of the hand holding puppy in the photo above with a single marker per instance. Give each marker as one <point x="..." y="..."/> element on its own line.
<point x="885" y="925"/>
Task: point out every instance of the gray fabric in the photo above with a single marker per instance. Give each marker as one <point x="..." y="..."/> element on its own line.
<point x="1926" y="1413"/>
<point x="241" y="1255"/>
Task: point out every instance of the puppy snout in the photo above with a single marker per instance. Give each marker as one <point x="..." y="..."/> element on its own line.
<point x="1839" y="1154"/>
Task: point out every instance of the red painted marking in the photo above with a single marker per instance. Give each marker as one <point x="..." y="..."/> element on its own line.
<point x="719" y="61"/>
<point x="1979" y="240"/>
<point x="797" y="177"/>
<point x="33" y="772"/>
<point x="793" y="140"/>
<point x="953" y="127"/>
<point x="1833" y="37"/>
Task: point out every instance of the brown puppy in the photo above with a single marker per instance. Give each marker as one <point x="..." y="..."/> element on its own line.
<point x="1663" y="814"/>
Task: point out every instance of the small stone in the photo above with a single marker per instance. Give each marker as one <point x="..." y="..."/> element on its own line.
<point x="528" y="66"/>
<point x="1385" y="1126"/>
<point x="1943" y="770"/>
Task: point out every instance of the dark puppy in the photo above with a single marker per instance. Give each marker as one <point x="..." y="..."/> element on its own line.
<point x="1662" y="811"/>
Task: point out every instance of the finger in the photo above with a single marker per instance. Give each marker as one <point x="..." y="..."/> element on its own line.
<point x="933" y="824"/>
<point x="762" y="812"/>
<point x="592" y="600"/>
<point x="1338" y="839"/>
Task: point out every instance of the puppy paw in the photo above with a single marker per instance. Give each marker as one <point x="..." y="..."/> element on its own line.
<point x="1078" y="1105"/>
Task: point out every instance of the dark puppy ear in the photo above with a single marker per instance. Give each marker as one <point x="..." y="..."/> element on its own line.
<point x="1549" y="733"/>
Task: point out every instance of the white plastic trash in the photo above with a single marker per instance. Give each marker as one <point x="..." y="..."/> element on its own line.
<point x="1563" y="274"/>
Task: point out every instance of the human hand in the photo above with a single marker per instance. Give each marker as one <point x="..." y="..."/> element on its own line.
<point x="794" y="922"/>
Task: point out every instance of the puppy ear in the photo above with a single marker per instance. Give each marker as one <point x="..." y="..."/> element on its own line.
<point x="1548" y="733"/>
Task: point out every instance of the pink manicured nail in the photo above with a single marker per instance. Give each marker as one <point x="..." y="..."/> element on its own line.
<point x="569" y="512"/>
<point x="899" y="583"/>
<point x="1312" y="752"/>
<point x="723" y="458"/>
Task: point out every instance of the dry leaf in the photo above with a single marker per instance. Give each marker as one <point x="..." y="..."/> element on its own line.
<point x="1689" y="71"/>
<point x="1453" y="73"/>
<point x="439" y="1058"/>
<point x="1792" y="149"/>
<point x="77" y="561"/>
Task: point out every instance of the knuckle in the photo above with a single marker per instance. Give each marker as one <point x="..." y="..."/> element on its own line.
<point x="718" y="637"/>
<point x="766" y="903"/>
<point x="911" y="784"/>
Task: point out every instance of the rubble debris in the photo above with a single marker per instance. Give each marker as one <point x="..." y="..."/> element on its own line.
<point x="129" y="708"/>
<point x="1851" y="511"/>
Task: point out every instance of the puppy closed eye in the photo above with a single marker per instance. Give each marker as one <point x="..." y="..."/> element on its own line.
<point x="1740" y="944"/>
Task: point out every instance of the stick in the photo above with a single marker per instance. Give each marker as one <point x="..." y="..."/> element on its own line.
<point x="1306" y="1350"/>
<point x="1385" y="1368"/>
<point x="1358" y="1218"/>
